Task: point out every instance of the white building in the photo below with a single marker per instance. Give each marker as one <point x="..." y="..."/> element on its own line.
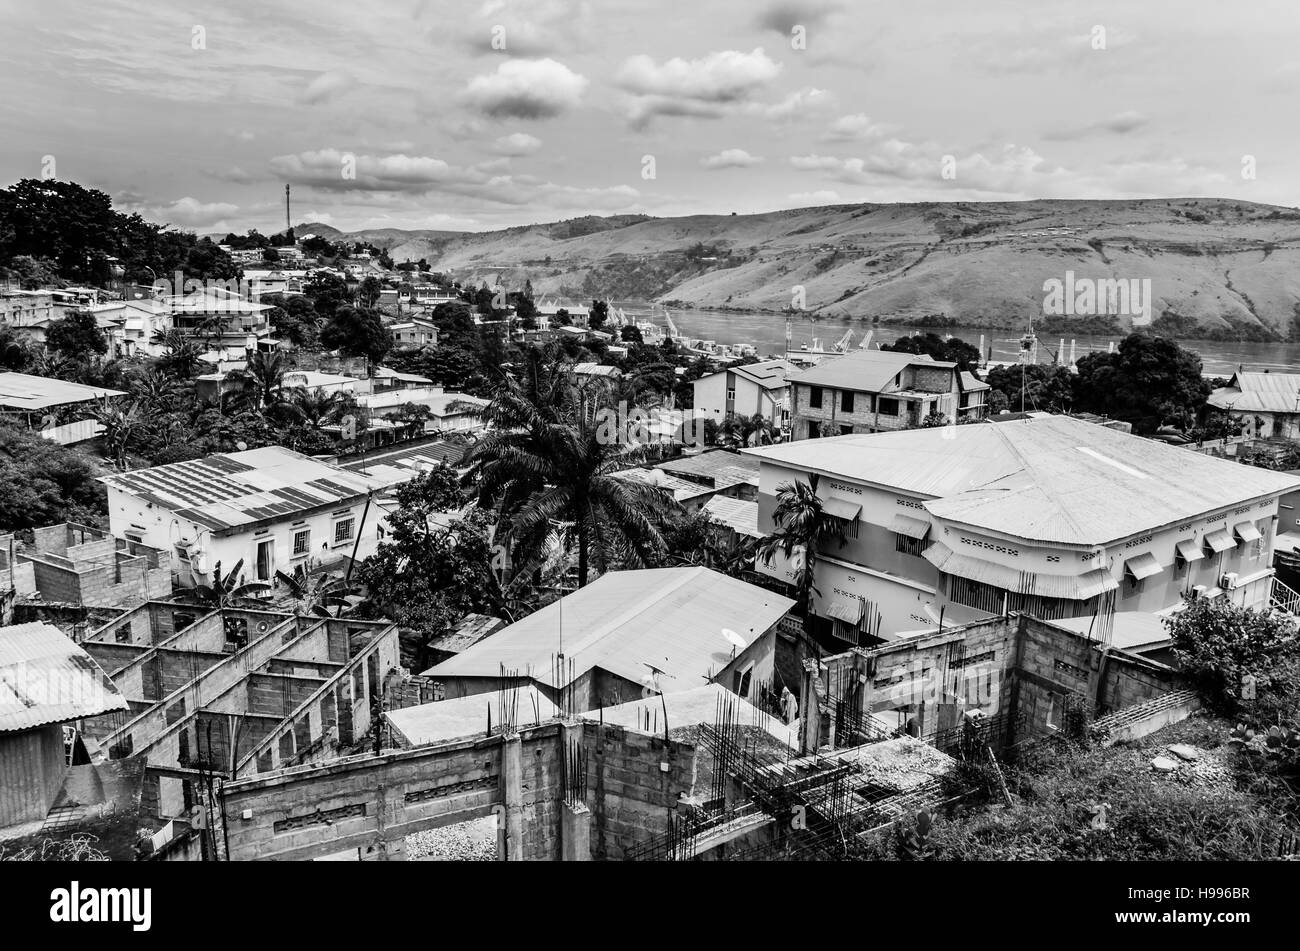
<point x="1050" y="515"/>
<point x="757" y="389"/>
<point x="1267" y="403"/>
<point x="272" y="508"/>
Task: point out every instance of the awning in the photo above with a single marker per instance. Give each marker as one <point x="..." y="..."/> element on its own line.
<point x="1068" y="587"/>
<point x="839" y="508"/>
<point x="1219" y="541"/>
<point x="911" y="527"/>
<point x="1142" y="566"/>
<point x="1189" y="551"/>
<point x="849" y="611"/>
<point x="1247" y="532"/>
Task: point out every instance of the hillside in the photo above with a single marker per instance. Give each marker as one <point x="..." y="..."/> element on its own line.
<point x="1218" y="268"/>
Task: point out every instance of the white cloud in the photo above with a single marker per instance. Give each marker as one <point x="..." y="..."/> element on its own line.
<point x="526" y="89"/>
<point x="326" y="87"/>
<point x="189" y="212"/>
<point x="731" y="158"/>
<point x="854" y="128"/>
<point x="516" y="144"/>
<point x="706" y="87"/>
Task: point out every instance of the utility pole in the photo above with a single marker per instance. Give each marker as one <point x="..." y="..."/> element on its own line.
<point x="288" y="220"/>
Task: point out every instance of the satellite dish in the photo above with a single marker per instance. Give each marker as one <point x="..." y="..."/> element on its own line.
<point x="735" y="639"/>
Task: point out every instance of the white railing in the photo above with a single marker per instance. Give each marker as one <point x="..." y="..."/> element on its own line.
<point x="1283" y="598"/>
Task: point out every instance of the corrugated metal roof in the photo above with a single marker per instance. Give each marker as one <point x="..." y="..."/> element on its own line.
<point x="1142" y="566"/>
<point x="681" y="489"/>
<point x="769" y="374"/>
<point x="466" y="716"/>
<point x="737" y="514"/>
<point x="722" y="467"/>
<point x="22" y="391"/>
<point x="229" y="490"/>
<point x="46" y="678"/>
<point x="627" y="622"/>
<point x="1260" y="392"/>
<point x="865" y="370"/>
<point x="1049" y="478"/>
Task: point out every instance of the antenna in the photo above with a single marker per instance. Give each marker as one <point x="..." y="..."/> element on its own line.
<point x="288" y="219"/>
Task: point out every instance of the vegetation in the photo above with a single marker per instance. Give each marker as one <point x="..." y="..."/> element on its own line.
<point x="803" y="531"/>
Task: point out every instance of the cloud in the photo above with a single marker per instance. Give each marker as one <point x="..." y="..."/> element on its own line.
<point x="516" y="144"/>
<point x="326" y="86"/>
<point x="526" y="89"/>
<point x="731" y="158"/>
<point x="784" y="15"/>
<point x="815" y="198"/>
<point x="189" y="212"/>
<point x="334" y="170"/>
<point x="531" y="28"/>
<point x="797" y="105"/>
<point x="1121" y="123"/>
<point x="707" y="87"/>
<point x="854" y="128"/>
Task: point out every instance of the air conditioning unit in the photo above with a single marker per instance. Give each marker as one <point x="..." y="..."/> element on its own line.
<point x="1198" y="591"/>
<point x="1228" y="581"/>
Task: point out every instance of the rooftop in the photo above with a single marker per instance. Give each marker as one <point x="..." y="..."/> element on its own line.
<point x="229" y="490"/>
<point x="1259" y="393"/>
<point x="682" y="489"/>
<point x="737" y="514"/>
<point x="33" y="393"/>
<point x="1047" y="478"/>
<point x="46" y="678"/>
<point x="466" y="716"/>
<point x="631" y="623"/>
<point x="718" y="467"/>
<point x="864" y="370"/>
<point x="769" y="374"/>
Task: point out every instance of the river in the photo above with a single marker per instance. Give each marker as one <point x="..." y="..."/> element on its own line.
<point x="767" y="333"/>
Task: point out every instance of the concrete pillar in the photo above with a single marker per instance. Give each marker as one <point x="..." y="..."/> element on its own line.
<point x="575" y="832"/>
<point x="510" y="832"/>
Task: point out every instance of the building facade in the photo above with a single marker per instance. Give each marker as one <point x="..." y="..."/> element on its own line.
<point x="870" y="391"/>
<point x="1050" y="516"/>
<point x="757" y="389"/>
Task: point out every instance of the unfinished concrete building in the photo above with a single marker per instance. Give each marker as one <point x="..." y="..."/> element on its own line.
<point x="234" y="692"/>
<point x="71" y="573"/>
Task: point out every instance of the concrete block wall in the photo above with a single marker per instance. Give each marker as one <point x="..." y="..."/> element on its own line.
<point x="279" y="694"/>
<point x="631" y="796"/>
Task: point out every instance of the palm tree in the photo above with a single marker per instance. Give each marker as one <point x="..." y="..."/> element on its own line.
<point x="317" y="406"/>
<point x="156" y="390"/>
<point x="318" y="593"/>
<point x="226" y="591"/>
<point x="181" y="355"/>
<point x="802" y="529"/>
<point x="268" y="369"/>
<point x="551" y="469"/>
<point x="119" y="426"/>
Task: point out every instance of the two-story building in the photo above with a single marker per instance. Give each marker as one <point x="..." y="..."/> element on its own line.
<point x="1050" y="515"/>
<point x="757" y="389"/>
<point x="223" y="318"/>
<point x="870" y="391"/>
<point x="272" y="508"/>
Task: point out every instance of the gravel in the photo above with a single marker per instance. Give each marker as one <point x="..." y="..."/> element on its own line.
<point x="473" y="841"/>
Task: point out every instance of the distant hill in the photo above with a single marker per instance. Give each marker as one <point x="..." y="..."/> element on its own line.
<point x="1218" y="268"/>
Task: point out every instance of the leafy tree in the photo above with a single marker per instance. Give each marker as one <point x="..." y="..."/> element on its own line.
<point x="1047" y="388"/>
<point x="631" y="334"/>
<point x="598" y="315"/>
<point x="76" y="336"/>
<point x="43" y="483"/>
<point x="227" y="590"/>
<point x="952" y="350"/>
<point x="358" y="333"/>
<point x="368" y="292"/>
<point x="327" y="293"/>
<point x="1148" y="381"/>
<point x="268" y="369"/>
<point x="1217" y="643"/>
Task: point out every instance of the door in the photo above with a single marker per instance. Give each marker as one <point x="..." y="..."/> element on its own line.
<point x="265" y="560"/>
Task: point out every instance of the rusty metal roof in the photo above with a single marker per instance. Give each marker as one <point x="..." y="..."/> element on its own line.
<point x="1259" y="393"/>
<point x="46" y="678"/>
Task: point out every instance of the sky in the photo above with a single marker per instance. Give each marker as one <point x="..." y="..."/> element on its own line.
<point x="418" y="114"/>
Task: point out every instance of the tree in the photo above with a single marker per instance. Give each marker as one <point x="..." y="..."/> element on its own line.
<point x="803" y="529"/>
<point x="267" y="369"/>
<point x="358" y="333"/>
<point x="551" y="469"/>
<point x="598" y="314"/>
<point x="368" y="292"/>
<point x="1042" y="387"/>
<point x="77" y="336"/>
<point x="952" y="350"/>
<point x="227" y="590"/>
<point x="1148" y="381"/>
<point x="631" y="334"/>
<point x="43" y="483"/>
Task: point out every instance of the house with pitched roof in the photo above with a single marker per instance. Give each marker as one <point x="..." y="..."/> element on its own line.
<point x="1268" y="402"/>
<point x="871" y="391"/>
<point x="756" y="389"/>
<point x="274" y="508"/>
<point x="1048" y="515"/>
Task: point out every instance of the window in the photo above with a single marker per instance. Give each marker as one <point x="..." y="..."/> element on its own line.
<point x="908" y="545"/>
<point x="1054" y="710"/>
<point x="123" y="634"/>
<point x="814" y="430"/>
<point x="815" y="397"/>
<point x="846" y="401"/>
<point x="887" y="406"/>
<point x="846" y="429"/>
<point x="731" y="394"/>
<point x="343" y="530"/>
<point x="302" y="542"/>
<point x="742" y="681"/>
